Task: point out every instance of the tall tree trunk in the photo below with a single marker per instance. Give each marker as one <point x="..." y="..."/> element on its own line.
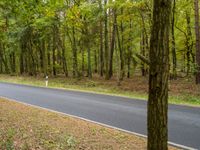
<point x="54" y="53"/>
<point x="189" y="42"/>
<point x="49" y="56"/>
<point x="174" y="60"/>
<point x="101" y="60"/>
<point x="112" y="44"/>
<point x="129" y="51"/>
<point x="120" y="54"/>
<point x="106" y="41"/>
<point x="122" y="48"/>
<point x="196" y="6"/>
<point x="21" y="59"/>
<point x="65" y="67"/>
<point x="74" y="51"/>
<point x="13" y="62"/>
<point x="3" y="59"/>
<point x="158" y="76"/>
<point x="142" y="52"/>
<point x="144" y="45"/>
<point x="82" y="61"/>
<point x="89" y="55"/>
<point x="95" y="61"/>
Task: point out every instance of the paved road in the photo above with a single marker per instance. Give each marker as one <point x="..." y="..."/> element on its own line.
<point x="124" y="113"/>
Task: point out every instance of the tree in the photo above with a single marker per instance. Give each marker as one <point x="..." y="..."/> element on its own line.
<point x="174" y="59"/>
<point x="158" y="76"/>
<point x="106" y="52"/>
<point x="70" y="37"/>
<point x="196" y="6"/>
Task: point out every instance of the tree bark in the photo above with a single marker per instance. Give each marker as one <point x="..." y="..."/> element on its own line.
<point x="65" y="66"/>
<point x="197" y="32"/>
<point x="101" y="60"/>
<point x="189" y="43"/>
<point x="54" y="52"/>
<point x="74" y="52"/>
<point x="112" y="44"/>
<point x="89" y="71"/>
<point x="101" y="54"/>
<point x="174" y="60"/>
<point x="122" y="28"/>
<point x="106" y="41"/>
<point x="142" y="52"/>
<point x="129" y="52"/>
<point x="158" y="76"/>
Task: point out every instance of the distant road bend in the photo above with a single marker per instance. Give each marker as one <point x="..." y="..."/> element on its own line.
<point x="124" y="113"/>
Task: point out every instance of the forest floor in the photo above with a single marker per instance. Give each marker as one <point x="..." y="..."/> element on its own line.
<point x="24" y="127"/>
<point x="181" y="91"/>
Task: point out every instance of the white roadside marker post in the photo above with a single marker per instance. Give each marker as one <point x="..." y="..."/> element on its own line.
<point x="46" y="81"/>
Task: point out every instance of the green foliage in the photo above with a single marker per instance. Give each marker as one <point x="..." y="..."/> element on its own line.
<point x="31" y="30"/>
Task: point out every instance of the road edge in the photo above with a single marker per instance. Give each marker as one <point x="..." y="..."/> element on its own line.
<point x="95" y="122"/>
<point x="97" y="93"/>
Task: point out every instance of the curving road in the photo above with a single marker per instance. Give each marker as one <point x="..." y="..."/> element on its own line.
<point x="124" y="113"/>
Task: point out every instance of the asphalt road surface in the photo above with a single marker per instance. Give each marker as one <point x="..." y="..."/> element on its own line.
<point x="123" y="113"/>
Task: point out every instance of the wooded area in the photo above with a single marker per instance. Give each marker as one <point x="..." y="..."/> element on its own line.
<point x="80" y="38"/>
<point x="105" y="38"/>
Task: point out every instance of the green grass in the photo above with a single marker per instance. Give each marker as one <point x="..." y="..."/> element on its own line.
<point x="95" y="86"/>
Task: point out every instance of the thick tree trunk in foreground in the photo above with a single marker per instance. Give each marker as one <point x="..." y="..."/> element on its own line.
<point x="158" y="76"/>
<point x="196" y="6"/>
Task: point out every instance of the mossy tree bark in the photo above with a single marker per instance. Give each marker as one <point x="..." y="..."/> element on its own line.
<point x="158" y="76"/>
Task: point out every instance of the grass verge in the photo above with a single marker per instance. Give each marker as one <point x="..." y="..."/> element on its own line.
<point x="181" y="91"/>
<point x="24" y="127"/>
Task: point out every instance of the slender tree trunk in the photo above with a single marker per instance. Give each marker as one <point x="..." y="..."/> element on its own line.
<point x="112" y="44"/>
<point x="142" y="51"/>
<point x="54" y="54"/>
<point x="196" y="6"/>
<point x="74" y="51"/>
<point x="122" y="48"/>
<point x="95" y="61"/>
<point x="158" y="76"/>
<point x="101" y="54"/>
<point x="21" y="59"/>
<point x="82" y="61"/>
<point x="120" y="54"/>
<point x="144" y="45"/>
<point x="129" y="51"/>
<point x="106" y="41"/>
<point x="65" y="67"/>
<point x="189" y="42"/>
<point x="2" y="58"/>
<point x="49" y="56"/>
<point x="101" y="61"/>
<point x="13" y="62"/>
<point x="174" y="60"/>
<point x="44" y="57"/>
<point x="89" y="55"/>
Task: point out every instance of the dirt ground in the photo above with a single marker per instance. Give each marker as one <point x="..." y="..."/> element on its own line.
<point x="26" y="128"/>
